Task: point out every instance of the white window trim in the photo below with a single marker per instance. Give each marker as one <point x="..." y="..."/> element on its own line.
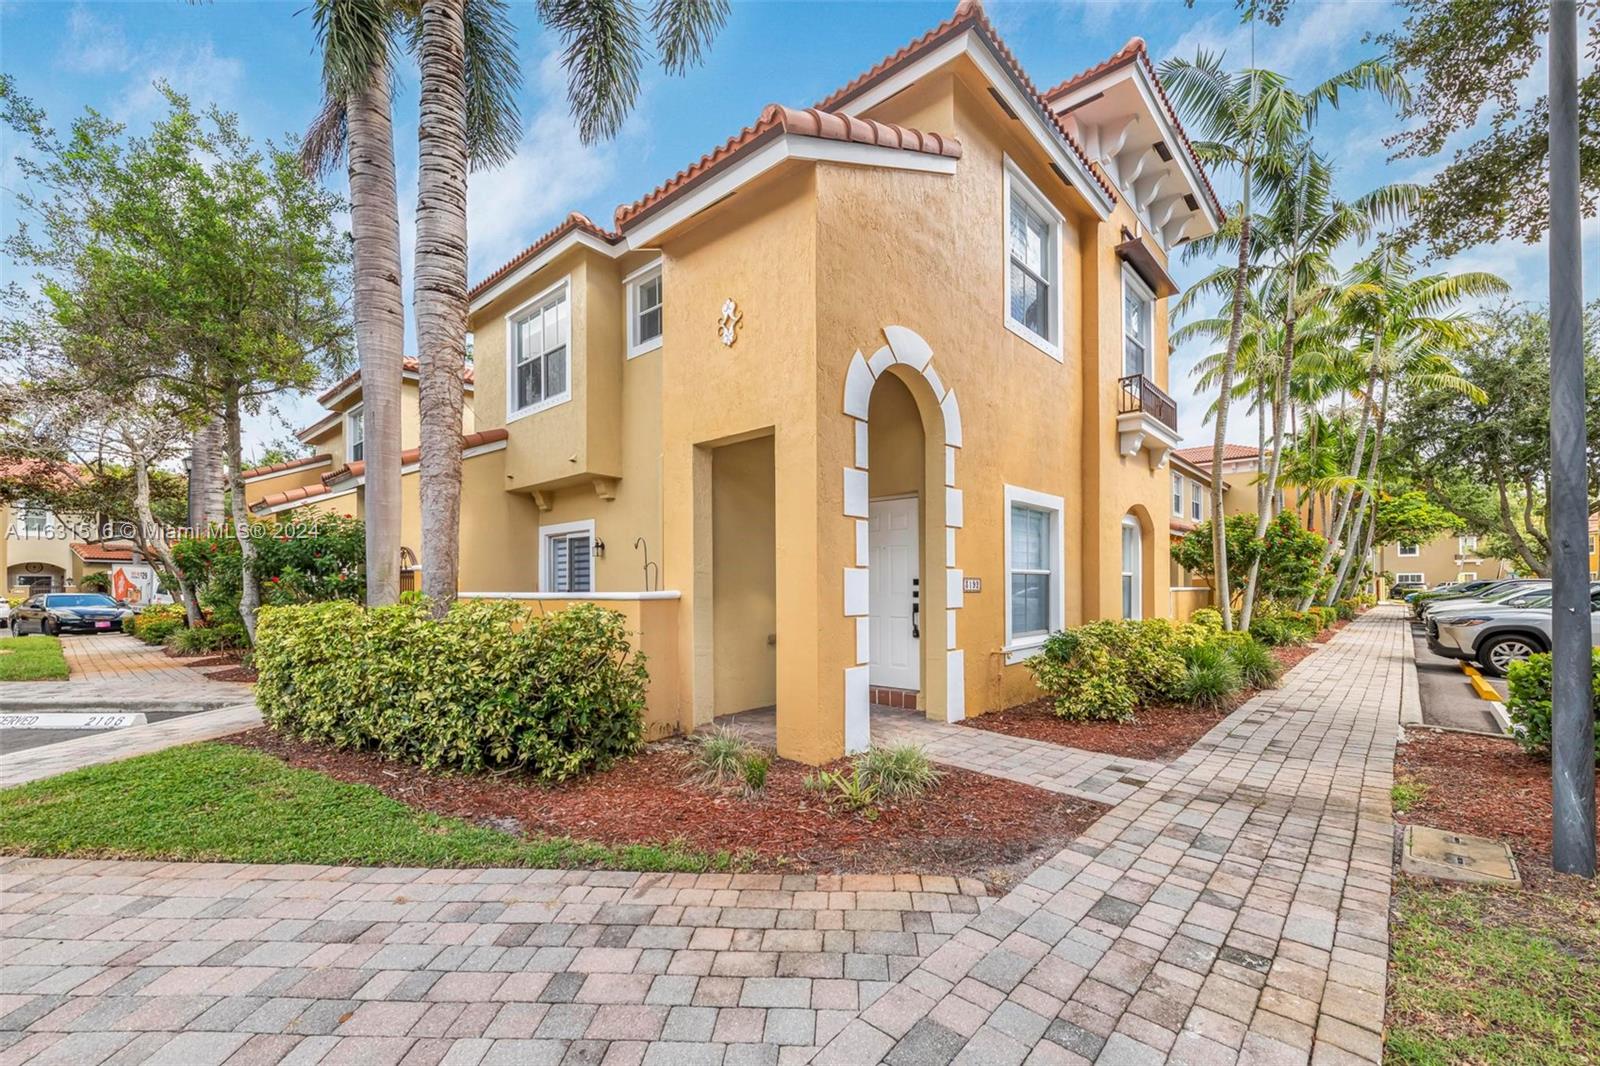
<point x="1130" y="278"/>
<point x="1197" y="502"/>
<point x="1406" y="579"/>
<point x="1400" y="551"/>
<point x="1016" y="650"/>
<point x="354" y="415"/>
<point x="1130" y="522"/>
<point x="512" y="413"/>
<point x="1016" y="180"/>
<point x="1468" y="575"/>
<point x="1178" y="510"/>
<point x="631" y="283"/>
<point x="561" y="529"/>
<point x="26" y="507"/>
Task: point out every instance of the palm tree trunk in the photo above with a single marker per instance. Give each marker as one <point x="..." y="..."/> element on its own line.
<point x="1343" y="499"/>
<point x="206" y="477"/>
<point x="1366" y="512"/>
<point x="1279" y="401"/>
<point x="250" y="587"/>
<point x="441" y="289"/>
<point x="1230" y="357"/>
<point x="380" y="327"/>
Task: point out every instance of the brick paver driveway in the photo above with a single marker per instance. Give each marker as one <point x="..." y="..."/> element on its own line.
<point x="1232" y="908"/>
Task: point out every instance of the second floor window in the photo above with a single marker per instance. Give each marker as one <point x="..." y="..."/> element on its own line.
<point x="35" y="518"/>
<point x="1409" y="551"/>
<point x="644" y="311"/>
<point x="538" y="353"/>
<point x="1033" y="264"/>
<point x="1137" y="325"/>
<point x="1196" y="500"/>
<point x="355" y="432"/>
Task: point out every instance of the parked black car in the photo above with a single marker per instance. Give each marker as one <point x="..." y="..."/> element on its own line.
<point x="70" y="612"/>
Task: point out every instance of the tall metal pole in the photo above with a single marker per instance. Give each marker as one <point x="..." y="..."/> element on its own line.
<point x="1572" y="755"/>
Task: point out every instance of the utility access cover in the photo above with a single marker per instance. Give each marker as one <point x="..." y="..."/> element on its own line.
<point x="1457" y="857"/>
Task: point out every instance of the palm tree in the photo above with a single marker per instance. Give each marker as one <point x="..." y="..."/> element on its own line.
<point x="464" y="107"/>
<point x="1411" y="328"/>
<point x="1249" y="121"/>
<point x="1298" y="237"/>
<point x="358" y="39"/>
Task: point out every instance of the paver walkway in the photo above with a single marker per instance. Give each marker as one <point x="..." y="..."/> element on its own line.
<point x="1232" y="908"/>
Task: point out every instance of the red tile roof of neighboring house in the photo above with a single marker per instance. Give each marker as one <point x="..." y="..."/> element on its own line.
<point x="303" y="492"/>
<point x="408" y="365"/>
<point x="574" y="221"/>
<point x="292" y="464"/>
<point x="775" y="119"/>
<point x="104" y="553"/>
<point x="969" y="14"/>
<point x="412" y="455"/>
<point x="23" y="468"/>
<point x="1135" y="52"/>
<point x="1202" y="456"/>
<point x="1179" y="527"/>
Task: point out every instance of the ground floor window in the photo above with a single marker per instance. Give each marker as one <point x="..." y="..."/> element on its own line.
<point x="1033" y="566"/>
<point x="567" y="562"/>
<point x="1132" y="569"/>
<point x="1409" y="579"/>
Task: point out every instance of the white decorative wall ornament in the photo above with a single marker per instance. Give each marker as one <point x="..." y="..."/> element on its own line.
<point x="728" y="322"/>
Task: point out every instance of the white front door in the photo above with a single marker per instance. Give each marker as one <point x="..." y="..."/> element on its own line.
<point x="892" y="536"/>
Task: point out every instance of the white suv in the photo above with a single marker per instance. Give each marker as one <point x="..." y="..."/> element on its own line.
<point x="1497" y="635"/>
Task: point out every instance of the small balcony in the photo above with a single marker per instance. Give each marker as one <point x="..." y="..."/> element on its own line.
<point x="1147" y="419"/>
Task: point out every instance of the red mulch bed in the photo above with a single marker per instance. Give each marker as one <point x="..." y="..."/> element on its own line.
<point x="1484" y="786"/>
<point x="1159" y="733"/>
<point x="207" y="661"/>
<point x="970" y="825"/>
<point x="237" y="673"/>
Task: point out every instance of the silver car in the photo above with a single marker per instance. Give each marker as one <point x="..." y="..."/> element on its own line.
<point x="1497" y="635"/>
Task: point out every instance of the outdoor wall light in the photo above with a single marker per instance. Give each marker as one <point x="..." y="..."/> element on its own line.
<point x="599" y="549"/>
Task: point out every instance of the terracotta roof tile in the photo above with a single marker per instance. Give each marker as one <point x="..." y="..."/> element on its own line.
<point x="413" y="455"/>
<point x="1202" y="456"/>
<point x="104" y="553"/>
<point x="292" y="464"/>
<point x="807" y="122"/>
<point x="408" y="365"/>
<point x="304" y="492"/>
<point x="969" y="14"/>
<point x="574" y="221"/>
<point x="1135" y="51"/>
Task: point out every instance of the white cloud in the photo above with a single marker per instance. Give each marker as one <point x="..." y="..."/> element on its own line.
<point x="94" y="46"/>
<point x="553" y="172"/>
<point x="100" y="47"/>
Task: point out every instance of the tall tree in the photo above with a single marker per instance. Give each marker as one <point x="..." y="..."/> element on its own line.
<point x="358" y="40"/>
<point x="468" y="116"/>
<point x="260" y="308"/>
<point x="1250" y="122"/>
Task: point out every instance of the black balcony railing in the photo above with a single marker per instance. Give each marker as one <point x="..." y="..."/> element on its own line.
<point x="1139" y="393"/>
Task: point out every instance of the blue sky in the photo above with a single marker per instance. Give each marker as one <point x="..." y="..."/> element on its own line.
<point x="258" y="59"/>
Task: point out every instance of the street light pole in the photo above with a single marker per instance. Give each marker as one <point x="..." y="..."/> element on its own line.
<point x="1572" y="743"/>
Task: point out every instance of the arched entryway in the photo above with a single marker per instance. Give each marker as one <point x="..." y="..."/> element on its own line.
<point x="900" y="492"/>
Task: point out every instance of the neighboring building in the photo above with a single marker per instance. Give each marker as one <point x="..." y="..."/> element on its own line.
<point x="1594" y="547"/>
<point x="1447" y="558"/>
<point x="35" y="550"/>
<point x="877" y="388"/>
<point x="1191" y="505"/>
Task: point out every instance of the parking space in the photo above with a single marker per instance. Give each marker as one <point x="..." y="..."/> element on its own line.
<point x="1448" y="696"/>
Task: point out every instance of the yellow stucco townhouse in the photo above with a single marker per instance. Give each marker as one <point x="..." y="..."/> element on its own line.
<point x="859" y="407"/>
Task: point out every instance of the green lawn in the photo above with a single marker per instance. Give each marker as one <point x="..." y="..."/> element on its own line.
<point x="1494" y="976"/>
<point x="219" y="803"/>
<point x="33" y="658"/>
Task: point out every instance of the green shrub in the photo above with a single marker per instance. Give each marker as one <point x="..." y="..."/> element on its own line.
<point x="1258" y="667"/>
<point x="1273" y="632"/>
<point x="100" y="582"/>
<point x="1210" y="676"/>
<point x="1529" y="684"/>
<point x="1104" y="670"/>
<point x="1207" y="618"/>
<point x="485" y="686"/>
<point x="1345" y="609"/>
<point x="754" y="771"/>
<point x="1320" y="617"/>
<point x="193" y="641"/>
<point x="897" y="773"/>
<point x="156" y="623"/>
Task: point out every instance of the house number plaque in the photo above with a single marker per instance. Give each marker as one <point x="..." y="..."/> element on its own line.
<point x="972" y="584"/>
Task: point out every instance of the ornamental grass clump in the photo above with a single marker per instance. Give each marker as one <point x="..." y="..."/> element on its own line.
<point x="486" y="687"/>
<point x="725" y="757"/>
<point x="1210" y="676"/>
<point x="900" y="772"/>
<point x="1258" y="667"/>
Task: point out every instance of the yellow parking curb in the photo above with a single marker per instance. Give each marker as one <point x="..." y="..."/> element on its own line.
<point x="1484" y="690"/>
